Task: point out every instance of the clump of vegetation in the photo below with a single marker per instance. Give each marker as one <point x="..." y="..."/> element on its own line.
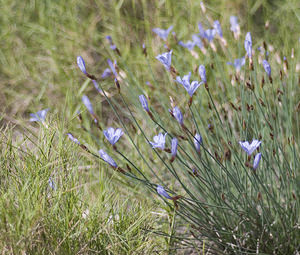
<point x="224" y="119"/>
<point x="53" y="203"/>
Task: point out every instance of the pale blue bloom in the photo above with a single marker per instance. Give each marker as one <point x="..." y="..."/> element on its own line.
<point x="107" y="158"/>
<point x="108" y="37"/>
<point x="210" y="34"/>
<point x="96" y="85"/>
<point x="250" y="148"/>
<point x="113" y="135"/>
<point x="112" y="67"/>
<point x="87" y="104"/>
<point x="248" y="44"/>
<point x="81" y="64"/>
<point x="267" y="67"/>
<point x="201" y="30"/>
<point x="189" y="44"/>
<point x="112" y="46"/>
<point x="144" y="103"/>
<point x="73" y="139"/>
<point x="238" y="63"/>
<point x="162" y="33"/>
<point x="197" y="40"/>
<point x="256" y="160"/>
<point x="190" y="87"/>
<point x="217" y="27"/>
<point x="165" y="59"/>
<point x="174" y="144"/>
<point x="202" y="73"/>
<point x="197" y="141"/>
<point x="161" y="191"/>
<point x="234" y="24"/>
<point x="159" y="141"/>
<point x="178" y="115"/>
<point x="39" y="116"/>
<point x="106" y="73"/>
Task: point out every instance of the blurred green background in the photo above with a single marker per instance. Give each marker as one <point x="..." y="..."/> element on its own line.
<point x="41" y="39"/>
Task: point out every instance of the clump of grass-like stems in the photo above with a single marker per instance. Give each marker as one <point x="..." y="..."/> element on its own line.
<point x="237" y="197"/>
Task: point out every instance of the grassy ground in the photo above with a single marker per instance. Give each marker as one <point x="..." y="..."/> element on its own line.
<point x="86" y="210"/>
<point x="92" y="209"/>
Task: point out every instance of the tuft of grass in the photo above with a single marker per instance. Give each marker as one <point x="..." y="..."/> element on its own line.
<point x="78" y="213"/>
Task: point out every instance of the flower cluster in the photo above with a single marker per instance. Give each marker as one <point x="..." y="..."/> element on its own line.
<point x="249" y="148"/>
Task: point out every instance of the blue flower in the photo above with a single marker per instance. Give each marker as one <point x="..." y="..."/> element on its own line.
<point x="190" y="87"/>
<point x="238" y="63"/>
<point x="178" y="115"/>
<point x="96" y="85"/>
<point x="73" y="139"/>
<point x="202" y="73"/>
<point x="88" y="104"/>
<point x="113" y="135"/>
<point x="234" y="24"/>
<point x="256" y="160"/>
<point x="248" y="44"/>
<point x="210" y="34"/>
<point x="39" y="116"/>
<point x="144" y="103"/>
<point x="165" y="59"/>
<point x="250" y="148"/>
<point x="163" y="34"/>
<point x="51" y="183"/>
<point x="174" y="144"/>
<point x="81" y="64"/>
<point x="217" y="27"/>
<point x="112" y="46"/>
<point x="108" y="37"/>
<point x="106" y="73"/>
<point x="189" y="44"/>
<point x="201" y="30"/>
<point x="161" y="191"/>
<point x="112" y="67"/>
<point x="197" y="141"/>
<point x="267" y="67"/>
<point x="159" y="141"/>
<point x="107" y="158"/>
<point x="197" y="40"/>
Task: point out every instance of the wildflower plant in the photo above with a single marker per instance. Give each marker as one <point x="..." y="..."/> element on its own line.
<point x="232" y="169"/>
<point x="39" y="116"/>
